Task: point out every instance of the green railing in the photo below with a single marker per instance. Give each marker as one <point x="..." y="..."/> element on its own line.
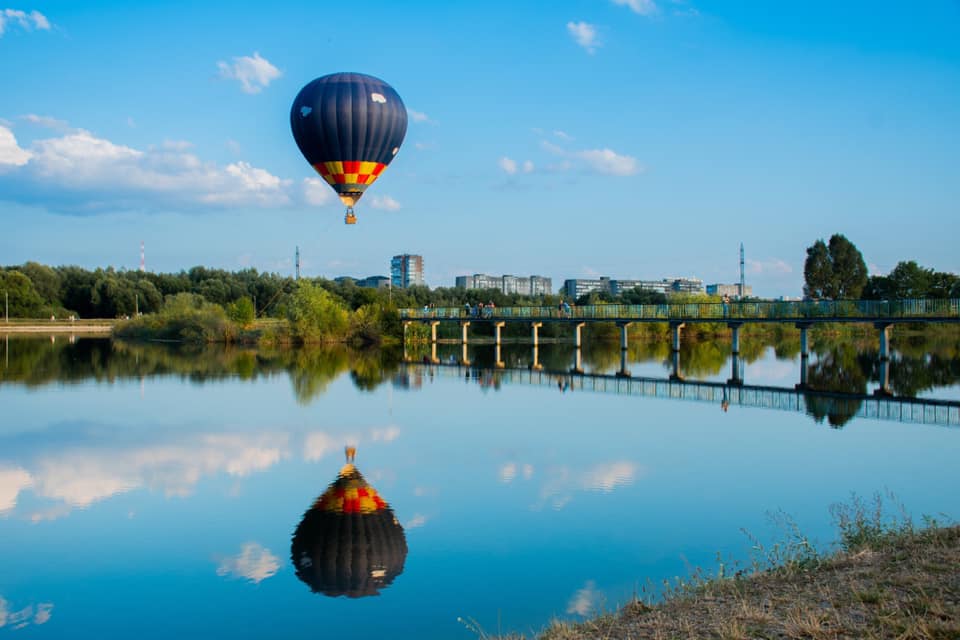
<point x="919" y="309"/>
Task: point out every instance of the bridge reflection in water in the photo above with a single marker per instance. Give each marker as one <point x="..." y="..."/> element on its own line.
<point x="837" y="406"/>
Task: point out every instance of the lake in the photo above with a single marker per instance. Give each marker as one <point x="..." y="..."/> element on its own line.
<point x="159" y="491"/>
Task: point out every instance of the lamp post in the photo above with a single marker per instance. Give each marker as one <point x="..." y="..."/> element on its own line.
<point x="6" y="307"/>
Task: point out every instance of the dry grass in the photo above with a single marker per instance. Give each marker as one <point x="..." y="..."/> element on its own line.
<point x="894" y="583"/>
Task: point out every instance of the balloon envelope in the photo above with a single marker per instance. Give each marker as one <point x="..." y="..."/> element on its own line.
<point x="349" y="543"/>
<point x="349" y="127"/>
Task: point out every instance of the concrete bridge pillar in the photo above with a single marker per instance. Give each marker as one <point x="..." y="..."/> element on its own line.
<point x="577" y="361"/>
<point x="804" y="339"/>
<point x="736" y="370"/>
<point x="464" y="356"/>
<point x="534" y="326"/>
<point x="884" y="389"/>
<point x="433" y="353"/>
<point x="576" y="334"/>
<point x="498" y="361"/>
<point x="464" y="325"/>
<point x="623" y="372"/>
<point x="535" y="364"/>
<point x="496" y="334"/>
<point x="675" y="374"/>
<point x="433" y="331"/>
<point x="623" y="334"/>
<point x="675" y="328"/>
<point x="735" y="335"/>
<point x="804" y="365"/>
<point x="884" y="328"/>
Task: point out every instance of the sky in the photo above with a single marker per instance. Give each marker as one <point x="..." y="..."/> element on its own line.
<point x="571" y="139"/>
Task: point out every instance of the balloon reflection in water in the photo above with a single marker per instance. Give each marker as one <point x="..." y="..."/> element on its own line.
<point x="349" y="543"/>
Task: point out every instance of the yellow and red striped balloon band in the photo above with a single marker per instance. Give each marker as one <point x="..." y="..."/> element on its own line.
<point x="349" y="171"/>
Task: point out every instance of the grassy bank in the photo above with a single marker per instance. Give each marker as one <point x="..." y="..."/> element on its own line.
<point x="886" y="579"/>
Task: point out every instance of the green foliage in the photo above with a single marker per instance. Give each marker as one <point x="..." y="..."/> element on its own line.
<point x="21" y="298"/>
<point x="315" y="315"/>
<point x="834" y="271"/>
<point x="241" y="311"/>
<point x="639" y="295"/>
<point x="45" y="280"/>
<point x="910" y="280"/>
<point x="864" y="526"/>
<point x="185" y="317"/>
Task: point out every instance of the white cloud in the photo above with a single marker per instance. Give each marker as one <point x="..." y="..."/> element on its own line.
<point x="233" y="146"/>
<point x="508" y="165"/>
<point x="771" y="266"/>
<point x="642" y="7"/>
<point x="418" y="116"/>
<point x="417" y="521"/>
<point x="20" y="618"/>
<point x="563" y="135"/>
<point x="609" y="162"/>
<point x="254" y="73"/>
<point x="585" y="601"/>
<point x="176" y="145"/>
<point x="11" y="155"/>
<point x="26" y="21"/>
<point x="12" y="482"/>
<point x="584" y="34"/>
<point x="607" y="477"/>
<point x="317" y="445"/>
<point x="48" y="122"/>
<point x="316" y="191"/>
<point x="528" y="166"/>
<point x="384" y="203"/>
<point x="508" y="472"/>
<point x="80" y="476"/>
<point x="82" y="172"/>
<point x="254" y="563"/>
<point x="387" y="434"/>
<point x="603" y="161"/>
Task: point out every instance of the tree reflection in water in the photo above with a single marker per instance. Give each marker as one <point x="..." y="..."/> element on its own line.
<point x="841" y="364"/>
<point x="842" y="369"/>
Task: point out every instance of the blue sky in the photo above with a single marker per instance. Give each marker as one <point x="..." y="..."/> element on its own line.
<point x="628" y="138"/>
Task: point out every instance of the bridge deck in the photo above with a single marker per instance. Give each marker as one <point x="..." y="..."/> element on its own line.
<point x="881" y="311"/>
<point x="897" y="409"/>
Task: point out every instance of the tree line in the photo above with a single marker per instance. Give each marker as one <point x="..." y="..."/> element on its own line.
<point x="835" y="270"/>
<point x="35" y="290"/>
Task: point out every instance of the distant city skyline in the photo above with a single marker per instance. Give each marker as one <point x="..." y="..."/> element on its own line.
<point x="569" y="140"/>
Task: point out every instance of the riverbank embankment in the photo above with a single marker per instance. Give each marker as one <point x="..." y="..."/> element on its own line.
<point x="902" y="585"/>
<point x="57" y="326"/>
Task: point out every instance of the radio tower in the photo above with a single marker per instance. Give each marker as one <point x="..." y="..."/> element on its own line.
<point x="143" y="258"/>
<point x="742" y="289"/>
<point x="298" y="263"/>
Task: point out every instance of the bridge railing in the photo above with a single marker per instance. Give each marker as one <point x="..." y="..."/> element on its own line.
<point x="934" y="309"/>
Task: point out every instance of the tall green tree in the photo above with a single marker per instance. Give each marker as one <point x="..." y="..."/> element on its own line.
<point x="834" y="270"/>
<point x="818" y="271"/>
<point x="19" y="296"/>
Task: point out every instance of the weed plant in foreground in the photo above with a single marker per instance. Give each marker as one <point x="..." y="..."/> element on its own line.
<point x="885" y="579"/>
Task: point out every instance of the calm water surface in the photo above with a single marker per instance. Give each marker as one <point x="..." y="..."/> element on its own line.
<point x="156" y="491"/>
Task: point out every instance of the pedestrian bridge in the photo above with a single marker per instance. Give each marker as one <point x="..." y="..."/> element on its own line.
<point x="835" y="406"/>
<point x="882" y="313"/>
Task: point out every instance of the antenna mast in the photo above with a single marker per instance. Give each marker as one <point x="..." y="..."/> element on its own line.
<point x="298" y="263"/>
<point x="143" y="258"/>
<point x="742" y="283"/>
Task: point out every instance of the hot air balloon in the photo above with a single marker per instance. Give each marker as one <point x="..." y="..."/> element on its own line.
<point x="349" y="543"/>
<point x="349" y="126"/>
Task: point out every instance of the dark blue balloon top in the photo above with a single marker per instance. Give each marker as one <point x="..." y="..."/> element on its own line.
<point x="348" y="117"/>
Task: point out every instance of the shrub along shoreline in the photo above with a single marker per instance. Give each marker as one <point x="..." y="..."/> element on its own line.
<point x="886" y="579"/>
